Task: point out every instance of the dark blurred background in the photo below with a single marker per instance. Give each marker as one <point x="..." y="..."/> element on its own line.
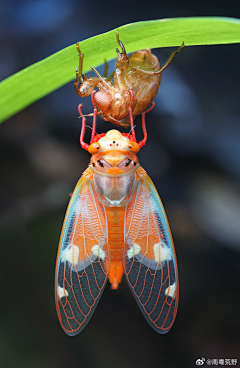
<point x="193" y="157"/>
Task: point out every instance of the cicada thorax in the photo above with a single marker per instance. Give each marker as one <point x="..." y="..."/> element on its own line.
<point x="114" y="189"/>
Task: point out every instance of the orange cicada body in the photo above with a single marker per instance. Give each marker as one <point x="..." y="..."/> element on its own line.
<point x="139" y="74"/>
<point x="115" y="223"/>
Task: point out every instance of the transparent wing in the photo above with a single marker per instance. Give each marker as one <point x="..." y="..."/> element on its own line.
<point x="149" y="257"/>
<point x="83" y="258"/>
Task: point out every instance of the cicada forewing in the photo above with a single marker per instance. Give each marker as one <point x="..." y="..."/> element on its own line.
<point x="149" y="257"/>
<point x="83" y="258"/>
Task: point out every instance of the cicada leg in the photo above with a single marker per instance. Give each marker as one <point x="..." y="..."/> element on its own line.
<point x="170" y="59"/>
<point x="131" y="117"/>
<point x="94" y="117"/>
<point x="143" y="142"/>
<point x="83" y="144"/>
<point x="121" y="45"/>
<point x="122" y="60"/>
<point x="81" y="56"/>
<point x="105" y="68"/>
<point x="79" y="76"/>
<point x="168" y="62"/>
<point x="83" y="85"/>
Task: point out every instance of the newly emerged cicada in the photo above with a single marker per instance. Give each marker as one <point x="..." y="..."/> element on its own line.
<point x="115" y="223"/>
<point x="139" y="75"/>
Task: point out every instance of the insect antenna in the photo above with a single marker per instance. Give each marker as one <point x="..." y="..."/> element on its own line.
<point x="132" y="129"/>
<point x="88" y="126"/>
<point x="94" y="117"/>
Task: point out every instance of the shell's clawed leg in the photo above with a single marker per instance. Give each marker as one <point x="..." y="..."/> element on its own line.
<point x="168" y="62"/>
<point x="144" y="141"/>
<point x="170" y="59"/>
<point x="81" y="56"/>
<point x="79" y="75"/>
<point x="110" y="77"/>
<point x="106" y="66"/>
<point x="121" y="45"/>
<point x="122" y="62"/>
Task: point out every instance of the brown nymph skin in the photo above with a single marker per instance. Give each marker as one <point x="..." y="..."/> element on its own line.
<point x="139" y="76"/>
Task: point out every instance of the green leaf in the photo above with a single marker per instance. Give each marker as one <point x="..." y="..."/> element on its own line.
<point x="43" y="77"/>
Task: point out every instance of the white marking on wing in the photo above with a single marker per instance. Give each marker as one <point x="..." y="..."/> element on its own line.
<point x="71" y="254"/>
<point x="133" y="251"/>
<point x="62" y="292"/>
<point x="98" y="251"/>
<point x="161" y="252"/>
<point x="171" y="290"/>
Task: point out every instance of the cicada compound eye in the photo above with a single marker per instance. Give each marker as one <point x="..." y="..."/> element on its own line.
<point x="102" y="101"/>
<point x="94" y="148"/>
<point x="134" y="147"/>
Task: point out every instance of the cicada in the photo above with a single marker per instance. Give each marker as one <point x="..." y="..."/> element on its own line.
<point x="139" y="75"/>
<point x="115" y="223"/>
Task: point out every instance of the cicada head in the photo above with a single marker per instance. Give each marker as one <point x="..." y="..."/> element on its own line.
<point x="114" y="153"/>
